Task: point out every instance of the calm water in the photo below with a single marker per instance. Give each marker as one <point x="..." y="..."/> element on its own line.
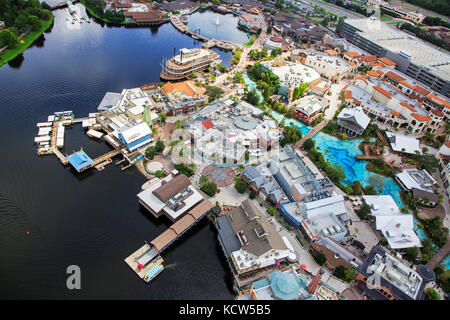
<point x="212" y="25"/>
<point x="92" y="220"/>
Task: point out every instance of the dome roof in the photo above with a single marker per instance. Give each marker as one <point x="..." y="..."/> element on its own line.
<point x="284" y="285"/>
<point x="245" y="122"/>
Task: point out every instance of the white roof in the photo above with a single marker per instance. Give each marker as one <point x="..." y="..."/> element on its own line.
<point x="398" y="230"/>
<point x="95" y="133"/>
<point x="136" y="132"/>
<point x="136" y="110"/>
<point x="414" y="178"/>
<point x="44" y="131"/>
<point x="382" y="205"/>
<point x="357" y="113"/>
<point x="400" y="142"/>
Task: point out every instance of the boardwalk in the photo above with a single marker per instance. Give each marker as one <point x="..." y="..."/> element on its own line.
<point x="102" y="158"/>
<point x="311" y="134"/>
<point x="439" y="256"/>
<point x="61" y="4"/>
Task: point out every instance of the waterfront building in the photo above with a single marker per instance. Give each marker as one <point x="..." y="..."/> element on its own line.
<point x="136" y="136"/>
<point x="403" y="144"/>
<point x="143" y="13"/>
<point x="250" y="242"/>
<point x="352" y="121"/>
<point x="278" y="285"/>
<point x="443" y="156"/>
<point x="321" y="218"/>
<point x="291" y="74"/>
<point x="172" y="196"/>
<point x="188" y="61"/>
<point x="308" y="108"/>
<point x="80" y="161"/>
<point x="383" y="276"/>
<point x="251" y="23"/>
<point x="110" y="100"/>
<point x="395" y="226"/>
<point x="414" y="57"/>
<point x="121" y="5"/>
<point x="183" y="97"/>
<point x="414" y="178"/>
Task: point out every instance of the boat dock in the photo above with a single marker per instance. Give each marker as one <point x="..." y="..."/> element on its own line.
<point x="142" y="258"/>
<point x="208" y="43"/>
<point x="145" y="269"/>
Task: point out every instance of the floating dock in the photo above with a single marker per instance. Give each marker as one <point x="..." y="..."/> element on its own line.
<point x="146" y="265"/>
<point x="146" y="257"/>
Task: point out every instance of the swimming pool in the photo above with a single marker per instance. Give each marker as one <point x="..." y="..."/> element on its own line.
<point x="343" y="152"/>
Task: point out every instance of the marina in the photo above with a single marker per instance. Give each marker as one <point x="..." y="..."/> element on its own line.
<point x="148" y="256"/>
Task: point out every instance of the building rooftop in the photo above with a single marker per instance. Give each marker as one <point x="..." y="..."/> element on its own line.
<point x="436" y="60"/>
<point x="402" y="143"/>
<point x="413" y="178"/>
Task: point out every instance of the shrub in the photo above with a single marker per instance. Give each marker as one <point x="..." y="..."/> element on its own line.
<point x="271" y="211"/>
<point x="252" y="194"/>
<point x="240" y="185"/>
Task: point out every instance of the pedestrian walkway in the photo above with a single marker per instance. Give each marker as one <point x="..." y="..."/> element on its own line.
<point x="312" y="133"/>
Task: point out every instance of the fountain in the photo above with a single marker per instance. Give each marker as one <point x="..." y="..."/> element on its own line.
<point x="217" y="20"/>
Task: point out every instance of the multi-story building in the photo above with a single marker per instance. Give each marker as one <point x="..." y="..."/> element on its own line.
<point x="443" y="156"/>
<point x="383" y="276"/>
<point x="183" y="97"/>
<point x="329" y="65"/>
<point x="352" y="121"/>
<point x="414" y="57"/>
<point x="250" y="242"/>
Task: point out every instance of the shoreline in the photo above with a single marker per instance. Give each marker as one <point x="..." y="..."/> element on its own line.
<point x="28" y="41"/>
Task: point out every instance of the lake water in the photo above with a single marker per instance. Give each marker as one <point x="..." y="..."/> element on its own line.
<point x="92" y="220"/>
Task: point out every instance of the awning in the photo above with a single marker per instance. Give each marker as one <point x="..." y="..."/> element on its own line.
<point x="154" y="271"/>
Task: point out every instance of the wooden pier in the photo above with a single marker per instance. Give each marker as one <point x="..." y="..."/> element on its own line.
<point x="132" y="261"/>
<point x="104" y="157"/>
<point x="61" y="4"/>
<point x="369" y="153"/>
<point x="60" y="156"/>
<point x="311" y="134"/>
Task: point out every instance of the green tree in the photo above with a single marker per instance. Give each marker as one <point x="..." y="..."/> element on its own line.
<point x="159" y="146"/>
<point x="271" y="211"/>
<point x="214" y="92"/>
<point x="308" y="144"/>
<point x="412" y="253"/>
<point x="240" y="185"/>
<point x="150" y="152"/>
<point x="252" y="97"/>
<point x="203" y="181"/>
<point x="431" y="294"/>
<point x="8" y="38"/>
<point x="350" y="274"/>
<point x="162" y="117"/>
<point x="34" y="22"/>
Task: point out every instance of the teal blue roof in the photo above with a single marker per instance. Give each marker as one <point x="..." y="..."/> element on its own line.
<point x="285" y="285"/>
<point x="79" y="160"/>
<point x="261" y="283"/>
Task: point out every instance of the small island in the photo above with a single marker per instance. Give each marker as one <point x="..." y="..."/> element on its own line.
<point x="21" y="25"/>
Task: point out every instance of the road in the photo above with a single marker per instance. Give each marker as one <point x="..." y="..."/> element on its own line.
<point x="421" y="10"/>
<point x="332" y="8"/>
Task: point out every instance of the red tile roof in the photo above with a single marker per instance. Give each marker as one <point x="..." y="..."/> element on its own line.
<point x="352" y="54"/>
<point x="421" y="117"/>
<point x="387" y="62"/>
<point x="394" y="76"/>
<point x="207" y="124"/>
<point x="439" y="100"/>
<point x="437" y="113"/>
<point x="405" y="104"/>
<point x="367" y="59"/>
<point x="373" y="74"/>
<point x="382" y="91"/>
<point x="395" y="113"/>
<point x="331" y="52"/>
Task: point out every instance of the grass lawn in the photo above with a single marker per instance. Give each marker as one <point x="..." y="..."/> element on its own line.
<point x="10" y="54"/>
<point x="394" y="22"/>
<point x="385" y="18"/>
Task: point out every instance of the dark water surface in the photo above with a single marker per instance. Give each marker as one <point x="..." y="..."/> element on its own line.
<point x="92" y="220"/>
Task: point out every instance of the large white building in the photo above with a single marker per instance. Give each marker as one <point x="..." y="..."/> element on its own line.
<point x="396" y="227"/>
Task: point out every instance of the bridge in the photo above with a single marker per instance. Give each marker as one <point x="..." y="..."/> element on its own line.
<point x="311" y="134"/>
<point x="439" y="256"/>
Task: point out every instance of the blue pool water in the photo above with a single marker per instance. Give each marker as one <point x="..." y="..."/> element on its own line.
<point x="343" y="152"/>
<point x="251" y="85"/>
